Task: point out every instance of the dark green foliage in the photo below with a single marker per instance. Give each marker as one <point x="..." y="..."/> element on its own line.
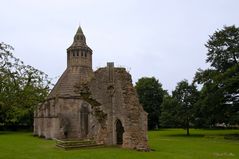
<point x="150" y="94"/>
<point x="168" y="117"/>
<point x="22" y="87"/>
<point x="186" y="96"/>
<point x="223" y="48"/>
<point x="219" y="97"/>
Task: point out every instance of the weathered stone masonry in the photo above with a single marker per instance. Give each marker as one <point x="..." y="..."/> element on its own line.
<point x="101" y="105"/>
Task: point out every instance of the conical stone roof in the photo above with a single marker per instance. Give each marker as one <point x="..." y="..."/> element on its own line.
<point x="79" y="69"/>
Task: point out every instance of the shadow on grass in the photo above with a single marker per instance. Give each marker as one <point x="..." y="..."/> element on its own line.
<point x="5" y="132"/>
<point x="184" y="135"/>
<point x="232" y="137"/>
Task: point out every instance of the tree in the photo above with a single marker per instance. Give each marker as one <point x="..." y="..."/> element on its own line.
<point x="150" y="94"/>
<point x="223" y="48"/>
<point x="219" y="99"/>
<point x="22" y="87"/>
<point x="168" y="117"/>
<point x="186" y="96"/>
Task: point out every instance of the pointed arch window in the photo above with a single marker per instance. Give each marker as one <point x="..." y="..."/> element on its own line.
<point x="119" y="132"/>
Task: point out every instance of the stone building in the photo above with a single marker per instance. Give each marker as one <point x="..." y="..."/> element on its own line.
<point x="100" y="105"/>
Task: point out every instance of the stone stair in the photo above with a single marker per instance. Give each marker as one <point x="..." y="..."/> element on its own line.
<point x="75" y="144"/>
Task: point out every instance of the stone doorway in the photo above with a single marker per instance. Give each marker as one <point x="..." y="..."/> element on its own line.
<point x="119" y="132"/>
<point x="84" y="121"/>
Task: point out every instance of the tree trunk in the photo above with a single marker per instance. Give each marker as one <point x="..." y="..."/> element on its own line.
<point x="187" y="127"/>
<point x="188" y="131"/>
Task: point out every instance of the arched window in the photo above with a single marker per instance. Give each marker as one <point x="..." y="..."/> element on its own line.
<point x="119" y="132"/>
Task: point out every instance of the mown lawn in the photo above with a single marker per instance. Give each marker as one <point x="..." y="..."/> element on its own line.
<point x="166" y="143"/>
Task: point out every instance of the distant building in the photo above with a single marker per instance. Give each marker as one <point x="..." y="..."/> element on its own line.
<point x="102" y="106"/>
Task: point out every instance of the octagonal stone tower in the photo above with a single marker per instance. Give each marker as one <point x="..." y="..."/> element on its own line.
<point x="102" y="106"/>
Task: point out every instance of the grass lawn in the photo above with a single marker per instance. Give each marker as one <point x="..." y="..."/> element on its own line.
<point x="167" y="144"/>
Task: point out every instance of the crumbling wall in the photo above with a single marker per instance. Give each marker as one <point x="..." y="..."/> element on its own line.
<point x="113" y="89"/>
<point x="110" y="96"/>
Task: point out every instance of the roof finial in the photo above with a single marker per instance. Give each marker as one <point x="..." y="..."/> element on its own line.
<point x="79" y="30"/>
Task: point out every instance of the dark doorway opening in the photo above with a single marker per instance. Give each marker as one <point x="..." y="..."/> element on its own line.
<point x="84" y="120"/>
<point x="119" y="132"/>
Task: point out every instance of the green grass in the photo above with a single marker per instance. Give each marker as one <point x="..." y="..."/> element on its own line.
<point x="166" y="143"/>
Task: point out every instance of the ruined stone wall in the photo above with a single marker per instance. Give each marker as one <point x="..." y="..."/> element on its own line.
<point x="109" y="96"/>
<point x="113" y="89"/>
<point x="135" y="118"/>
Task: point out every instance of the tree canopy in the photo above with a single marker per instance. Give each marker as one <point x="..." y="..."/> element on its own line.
<point x="223" y="48"/>
<point x="22" y="87"/>
<point x="186" y="96"/>
<point x="219" y="98"/>
<point x="169" y="113"/>
<point x="217" y="103"/>
<point x="150" y="94"/>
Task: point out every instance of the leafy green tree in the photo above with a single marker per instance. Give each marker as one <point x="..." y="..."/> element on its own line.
<point x="186" y="96"/>
<point x="150" y="94"/>
<point x="168" y="117"/>
<point x="22" y="87"/>
<point x="219" y="98"/>
<point x="223" y="48"/>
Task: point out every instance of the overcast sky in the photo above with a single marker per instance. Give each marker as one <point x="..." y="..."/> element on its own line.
<point x="164" y="39"/>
